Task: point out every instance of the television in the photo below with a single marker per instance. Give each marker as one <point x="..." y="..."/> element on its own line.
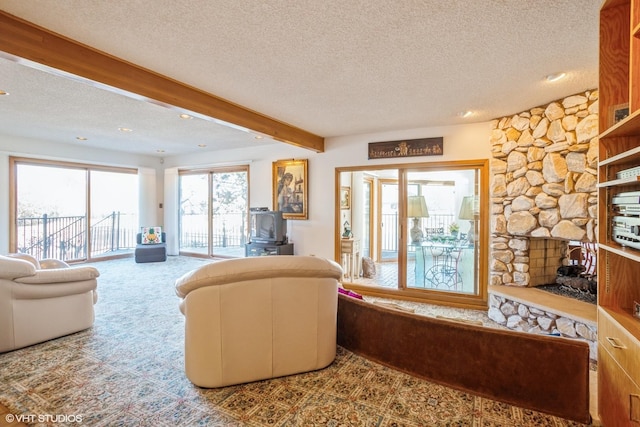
<point x="267" y="227"/>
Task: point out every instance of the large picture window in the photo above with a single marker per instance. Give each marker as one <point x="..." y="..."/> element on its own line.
<point x="71" y="211"/>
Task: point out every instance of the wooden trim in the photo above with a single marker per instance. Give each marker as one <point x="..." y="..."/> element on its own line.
<point x="73" y="165"/>
<point x="15" y="161"/>
<point x="13" y="207"/>
<point x="215" y="169"/>
<point x="35" y="46"/>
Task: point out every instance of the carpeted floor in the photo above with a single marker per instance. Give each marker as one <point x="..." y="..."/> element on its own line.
<point x="128" y="370"/>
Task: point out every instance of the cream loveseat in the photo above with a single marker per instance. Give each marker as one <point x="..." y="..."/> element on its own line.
<point x="249" y="319"/>
<point x="43" y="300"/>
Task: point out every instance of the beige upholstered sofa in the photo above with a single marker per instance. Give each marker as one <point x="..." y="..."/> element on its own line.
<point x="43" y="300"/>
<point x="249" y="319"/>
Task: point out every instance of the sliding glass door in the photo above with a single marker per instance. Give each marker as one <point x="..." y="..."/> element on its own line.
<point x="425" y="229"/>
<point x="73" y="212"/>
<point x="194" y="213"/>
<point x="114" y="214"/>
<point x="214" y="211"/>
<point x="442" y="252"/>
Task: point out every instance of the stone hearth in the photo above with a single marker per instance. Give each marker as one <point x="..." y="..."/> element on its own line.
<point x="533" y="310"/>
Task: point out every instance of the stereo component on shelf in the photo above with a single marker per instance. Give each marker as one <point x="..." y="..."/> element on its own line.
<point x="627" y="203"/>
<point x="628" y="197"/>
<point x="627" y="209"/>
<point x="629" y="173"/>
<point x="626" y="230"/>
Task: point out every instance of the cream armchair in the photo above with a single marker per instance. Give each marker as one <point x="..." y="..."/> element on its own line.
<point x="249" y="319"/>
<point x="43" y="300"/>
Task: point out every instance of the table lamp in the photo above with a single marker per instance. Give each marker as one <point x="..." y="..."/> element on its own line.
<point x="416" y="209"/>
<point x="469" y="212"/>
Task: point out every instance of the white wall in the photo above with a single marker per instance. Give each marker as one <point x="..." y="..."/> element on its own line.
<point x="313" y="236"/>
<point x="316" y="235"/>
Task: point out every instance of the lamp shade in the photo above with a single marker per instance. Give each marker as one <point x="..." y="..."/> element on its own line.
<point x="417" y="207"/>
<point x="468" y="210"/>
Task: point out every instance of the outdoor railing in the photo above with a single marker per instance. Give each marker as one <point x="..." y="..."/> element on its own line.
<point x="65" y="237"/>
<point x="228" y="230"/>
<point x="389" y="229"/>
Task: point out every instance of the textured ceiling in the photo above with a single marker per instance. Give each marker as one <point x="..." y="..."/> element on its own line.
<point x="330" y="67"/>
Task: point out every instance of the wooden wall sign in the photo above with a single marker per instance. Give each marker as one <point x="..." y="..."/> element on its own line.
<point x="406" y="148"/>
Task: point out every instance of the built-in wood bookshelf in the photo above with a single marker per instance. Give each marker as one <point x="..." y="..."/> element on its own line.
<point x="618" y="260"/>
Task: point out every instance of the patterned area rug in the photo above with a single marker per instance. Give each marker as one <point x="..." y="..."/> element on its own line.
<point x="128" y="370"/>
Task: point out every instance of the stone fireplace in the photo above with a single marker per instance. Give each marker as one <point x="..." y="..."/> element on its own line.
<point x="545" y="256"/>
<point x="542" y="196"/>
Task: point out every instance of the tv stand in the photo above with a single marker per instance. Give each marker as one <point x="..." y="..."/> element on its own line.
<point x="262" y="249"/>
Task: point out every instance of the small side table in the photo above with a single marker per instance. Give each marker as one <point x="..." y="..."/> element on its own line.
<point x="350" y="256"/>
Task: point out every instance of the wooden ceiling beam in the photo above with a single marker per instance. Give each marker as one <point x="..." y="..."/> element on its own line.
<point x="38" y="47"/>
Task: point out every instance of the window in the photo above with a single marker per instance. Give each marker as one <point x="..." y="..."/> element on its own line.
<point x="214" y="211"/>
<point x="71" y="212"/>
<point x="426" y="227"/>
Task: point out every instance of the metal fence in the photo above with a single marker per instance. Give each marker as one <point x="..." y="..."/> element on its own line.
<point x="65" y="237"/>
<point x="228" y="230"/>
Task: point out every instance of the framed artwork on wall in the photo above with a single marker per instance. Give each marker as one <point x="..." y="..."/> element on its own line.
<point x="345" y="198"/>
<point x="290" y="188"/>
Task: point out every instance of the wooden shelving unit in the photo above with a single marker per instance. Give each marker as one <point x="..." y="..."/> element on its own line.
<point x="618" y="264"/>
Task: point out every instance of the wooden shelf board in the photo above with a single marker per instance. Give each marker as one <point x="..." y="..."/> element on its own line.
<point x="624" y="251"/>
<point x="621" y="181"/>
<point x="622" y="157"/>
<point x="629" y="126"/>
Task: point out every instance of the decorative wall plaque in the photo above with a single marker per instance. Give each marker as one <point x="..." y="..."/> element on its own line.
<point x="406" y="148"/>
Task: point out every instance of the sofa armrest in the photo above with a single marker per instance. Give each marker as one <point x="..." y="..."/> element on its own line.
<point x="60" y="275"/>
<point x="243" y="269"/>
<point x="12" y="268"/>
<point x="28" y="291"/>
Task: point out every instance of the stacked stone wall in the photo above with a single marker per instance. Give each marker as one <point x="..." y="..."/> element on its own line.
<point x="543" y="182"/>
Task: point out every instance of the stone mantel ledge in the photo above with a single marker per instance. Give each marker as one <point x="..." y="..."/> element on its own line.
<point x="558" y="304"/>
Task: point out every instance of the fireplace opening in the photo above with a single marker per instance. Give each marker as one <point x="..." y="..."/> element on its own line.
<point x="578" y="279"/>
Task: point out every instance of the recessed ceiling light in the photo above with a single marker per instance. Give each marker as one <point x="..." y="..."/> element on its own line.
<point x="465" y="114"/>
<point x="202" y="145"/>
<point x="125" y="130"/>
<point x="185" y="116"/>
<point x="81" y="138"/>
<point x="259" y="136"/>
<point x="2" y="92"/>
<point x="555" y="77"/>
